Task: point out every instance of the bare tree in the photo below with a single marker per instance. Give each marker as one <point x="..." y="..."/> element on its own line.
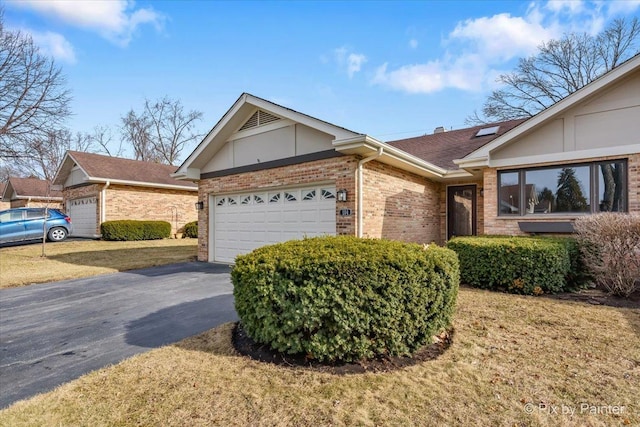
<point x="560" y="68"/>
<point x="46" y="153"/>
<point x="161" y="131"/>
<point x="101" y="138"/>
<point x="34" y="100"/>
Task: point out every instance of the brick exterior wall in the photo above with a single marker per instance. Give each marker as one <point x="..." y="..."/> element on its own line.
<point x="340" y="170"/>
<point x="495" y="224"/>
<point x="155" y="204"/>
<point x="399" y="205"/>
<point x="139" y="203"/>
<point x="24" y="203"/>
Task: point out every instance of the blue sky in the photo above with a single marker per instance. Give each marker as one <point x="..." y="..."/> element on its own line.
<point x="388" y="69"/>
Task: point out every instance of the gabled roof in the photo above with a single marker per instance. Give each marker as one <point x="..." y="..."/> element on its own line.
<point x="3" y="185"/>
<point x="234" y="118"/>
<point x="30" y="188"/>
<point x="441" y="149"/>
<point x="98" y="168"/>
<point x="482" y="156"/>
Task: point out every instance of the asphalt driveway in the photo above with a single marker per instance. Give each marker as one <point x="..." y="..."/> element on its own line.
<point x="53" y="333"/>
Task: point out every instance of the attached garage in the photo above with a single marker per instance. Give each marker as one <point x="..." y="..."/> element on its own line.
<point x="84" y="216"/>
<point x="245" y="221"/>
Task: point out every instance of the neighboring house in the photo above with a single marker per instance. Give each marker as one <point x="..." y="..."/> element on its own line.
<point x="99" y="188"/>
<point x="4" y="204"/>
<point x="267" y="173"/>
<point x="31" y="193"/>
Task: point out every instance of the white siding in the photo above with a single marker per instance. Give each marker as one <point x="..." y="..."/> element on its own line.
<point x="609" y="120"/>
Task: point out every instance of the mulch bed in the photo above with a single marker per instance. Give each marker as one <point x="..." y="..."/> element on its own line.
<point x="597" y="296"/>
<point x="247" y="347"/>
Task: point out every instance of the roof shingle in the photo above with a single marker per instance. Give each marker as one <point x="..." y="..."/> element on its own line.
<point x="32" y="187"/>
<point x="115" y="168"/>
<point x="442" y="148"/>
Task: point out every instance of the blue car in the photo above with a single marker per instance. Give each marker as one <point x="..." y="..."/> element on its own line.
<point x="28" y="224"/>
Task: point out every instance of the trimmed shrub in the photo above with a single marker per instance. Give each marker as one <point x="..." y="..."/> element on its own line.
<point x="522" y="265"/>
<point x="343" y="299"/>
<point x="610" y="243"/>
<point x="190" y="230"/>
<point x="135" y="230"/>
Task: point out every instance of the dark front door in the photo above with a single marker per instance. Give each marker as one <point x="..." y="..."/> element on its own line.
<point x="461" y="211"/>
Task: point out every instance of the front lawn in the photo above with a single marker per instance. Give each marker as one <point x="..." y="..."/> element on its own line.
<point x="24" y="265"/>
<point x="514" y="361"/>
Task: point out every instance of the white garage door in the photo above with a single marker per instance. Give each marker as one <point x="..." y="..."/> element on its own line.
<point x="243" y="222"/>
<point x="83" y="216"/>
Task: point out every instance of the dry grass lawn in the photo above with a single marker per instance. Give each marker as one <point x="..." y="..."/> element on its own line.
<point x="24" y="265"/>
<point x="515" y="361"/>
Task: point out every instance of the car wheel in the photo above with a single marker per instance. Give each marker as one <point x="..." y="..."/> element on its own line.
<point x="57" y="234"/>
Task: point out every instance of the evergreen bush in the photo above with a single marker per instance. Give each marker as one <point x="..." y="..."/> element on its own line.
<point x="343" y="299"/>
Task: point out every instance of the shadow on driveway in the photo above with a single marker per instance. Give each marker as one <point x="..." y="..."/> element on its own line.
<point x="174" y="323"/>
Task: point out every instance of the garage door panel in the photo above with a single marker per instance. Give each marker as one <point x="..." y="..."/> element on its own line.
<point x="83" y="213"/>
<point x="243" y="222"/>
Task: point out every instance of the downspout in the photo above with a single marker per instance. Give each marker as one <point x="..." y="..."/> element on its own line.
<point x="103" y="203"/>
<point x="360" y="195"/>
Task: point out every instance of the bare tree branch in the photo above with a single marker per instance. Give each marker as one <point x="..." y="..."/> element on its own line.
<point x="34" y="100"/>
<point x="44" y="155"/>
<point x="560" y="68"/>
<point x="161" y="131"/>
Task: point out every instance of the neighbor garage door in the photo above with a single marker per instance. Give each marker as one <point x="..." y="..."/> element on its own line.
<point x="83" y="216"/>
<point x="243" y="222"/>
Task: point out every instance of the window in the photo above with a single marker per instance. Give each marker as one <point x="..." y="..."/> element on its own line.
<point x="566" y="189"/>
<point x="612" y="186"/>
<point x="245" y="200"/>
<point x="327" y="194"/>
<point x="509" y="192"/>
<point x="257" y="199"/>
<point x="35" y="213"/>
<point x="308" y="194"/>
<point x="274" y="198"/>
<point x="289" y="197"/>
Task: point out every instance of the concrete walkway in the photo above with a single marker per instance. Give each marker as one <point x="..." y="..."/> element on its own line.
<point x="53" y="333"/>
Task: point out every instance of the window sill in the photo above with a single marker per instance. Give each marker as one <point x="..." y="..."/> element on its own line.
<point x="534" y="227"/>
<point x="541" y="217"/>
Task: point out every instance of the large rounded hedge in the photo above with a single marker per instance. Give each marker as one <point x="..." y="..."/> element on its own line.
<point x="343" y="298"/>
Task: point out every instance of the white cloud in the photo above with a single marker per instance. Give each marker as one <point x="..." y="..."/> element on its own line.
<point x="504" y="36"/>
<point x="354" y="63"/>
<point x="623" y="7"/>
<point x="413" y="43"/>
<point x="115" y="20"/>
<point x="570" y="6"/>
<point x="350" y="61"/>
<point x="420" y="78"/>
<point x="54" y="45"/>
<point x="479" y="49"/>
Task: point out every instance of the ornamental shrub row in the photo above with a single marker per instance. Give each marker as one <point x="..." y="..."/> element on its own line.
<point x="340" y="298"/>
<point x="190" y="230"/>
<point x="522" y="265"/>
<point x="135" y="230"/>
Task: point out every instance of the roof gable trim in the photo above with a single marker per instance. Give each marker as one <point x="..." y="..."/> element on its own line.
<point x="553" y="111"/>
